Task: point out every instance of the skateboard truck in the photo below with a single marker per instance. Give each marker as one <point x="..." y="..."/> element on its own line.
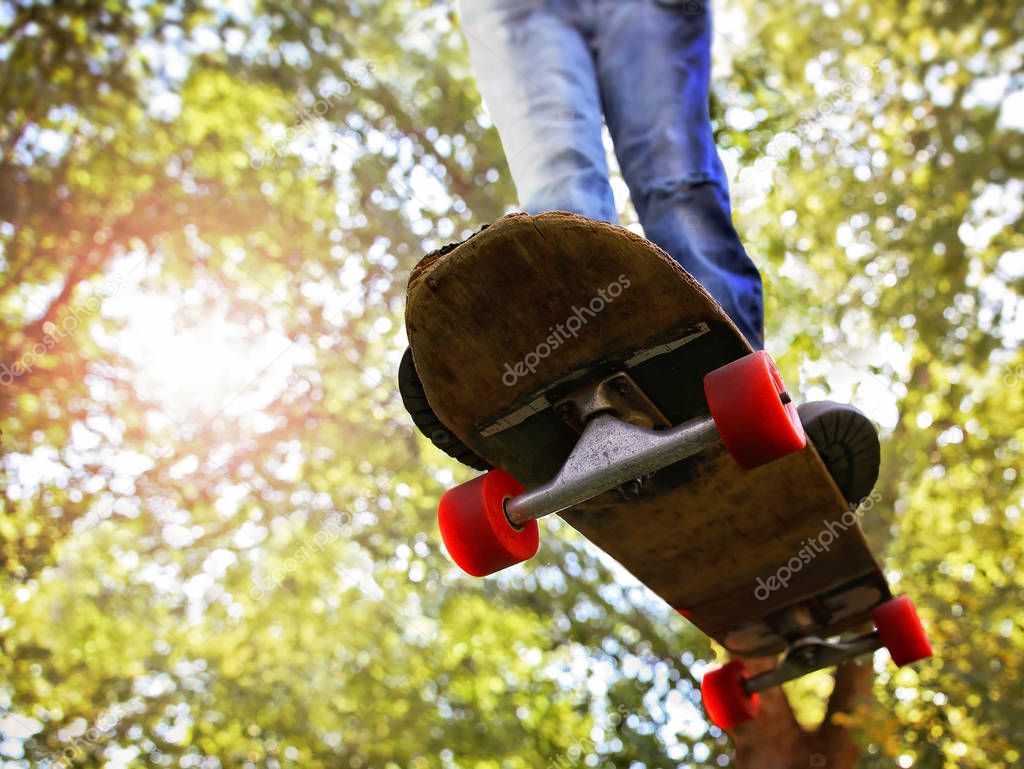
<point x="617" y="446"/>
<point x="807" y="651"/>
<point x="810" y="654"/>
<point x="731" y="696"/>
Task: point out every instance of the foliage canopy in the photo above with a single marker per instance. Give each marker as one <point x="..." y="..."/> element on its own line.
<point x="216" y="527"/>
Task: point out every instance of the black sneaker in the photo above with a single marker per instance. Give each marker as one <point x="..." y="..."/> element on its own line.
<point x="848" y="443"/>
<point x="426" y="421"/>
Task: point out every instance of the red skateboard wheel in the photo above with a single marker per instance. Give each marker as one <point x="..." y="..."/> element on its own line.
<point x="901" y="632"/>
<point x="474" y="528"/>
<point x="755" y="419"/>
<point x="726" y="700"/>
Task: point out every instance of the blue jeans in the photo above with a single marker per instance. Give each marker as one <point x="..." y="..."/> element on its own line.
<point x="547" y="69"/>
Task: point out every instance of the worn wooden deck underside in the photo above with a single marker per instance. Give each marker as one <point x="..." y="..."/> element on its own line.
<point x="706" y="531"/>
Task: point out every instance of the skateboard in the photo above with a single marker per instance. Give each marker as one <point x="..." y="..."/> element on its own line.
<point x="603" y="383"/>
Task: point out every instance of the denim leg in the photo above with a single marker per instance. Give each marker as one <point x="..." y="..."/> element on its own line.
<point x="537" y="78"/>
<point x="654" y="66"/>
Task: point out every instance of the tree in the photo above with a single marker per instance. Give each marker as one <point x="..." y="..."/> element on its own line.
<point x="214" y="567"/>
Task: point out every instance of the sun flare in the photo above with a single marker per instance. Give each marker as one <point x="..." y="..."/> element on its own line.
<point x="195" y="369"/>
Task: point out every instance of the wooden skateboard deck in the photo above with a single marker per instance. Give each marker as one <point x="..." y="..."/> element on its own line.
<point x="533" y="307"/>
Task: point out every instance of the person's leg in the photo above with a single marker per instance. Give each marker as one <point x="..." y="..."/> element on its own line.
<point x="654" y="66"/>
<point x="538" y="81"/>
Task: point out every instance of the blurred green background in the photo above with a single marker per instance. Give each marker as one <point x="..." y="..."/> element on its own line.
<point x="217" y="536"/>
